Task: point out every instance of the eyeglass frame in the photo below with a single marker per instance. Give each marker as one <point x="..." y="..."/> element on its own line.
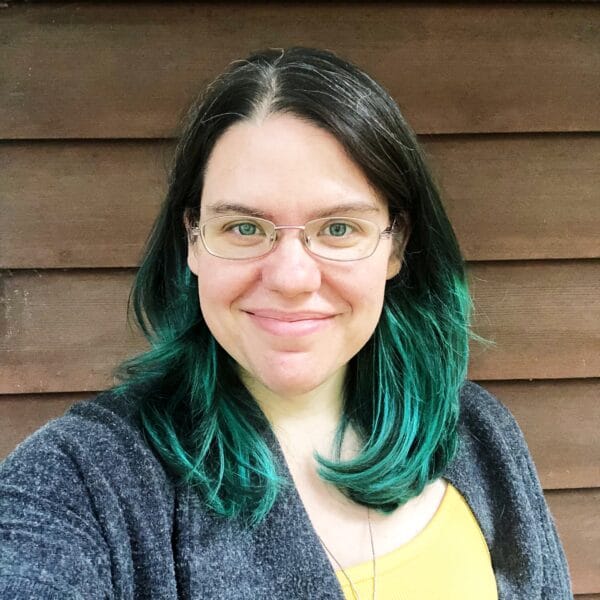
<point x="198" y="231"/>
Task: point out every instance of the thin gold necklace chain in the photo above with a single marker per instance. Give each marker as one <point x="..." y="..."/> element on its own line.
<point x="354" y="592"/>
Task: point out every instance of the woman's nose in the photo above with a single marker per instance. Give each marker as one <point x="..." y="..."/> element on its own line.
<point x="289" y="268"/>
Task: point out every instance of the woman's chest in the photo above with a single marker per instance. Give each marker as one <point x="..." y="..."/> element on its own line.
<point x="351" y="534"/>
<point x="226" y="560"/>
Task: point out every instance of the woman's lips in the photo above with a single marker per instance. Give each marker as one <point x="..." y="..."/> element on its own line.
<point x="290" y="324"/>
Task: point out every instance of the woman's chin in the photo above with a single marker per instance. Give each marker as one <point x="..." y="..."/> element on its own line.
<point x="288" y="387"/>
<point x="292" y="385"/>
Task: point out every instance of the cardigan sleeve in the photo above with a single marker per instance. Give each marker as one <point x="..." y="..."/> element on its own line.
<point x="51" y="545"/>
<point x="556" y="580"/>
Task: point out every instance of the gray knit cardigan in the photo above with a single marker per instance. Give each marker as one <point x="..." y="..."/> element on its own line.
<point x="87" y="511"/>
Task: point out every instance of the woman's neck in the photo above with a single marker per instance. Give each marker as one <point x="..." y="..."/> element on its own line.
<point x="303" y="423"/>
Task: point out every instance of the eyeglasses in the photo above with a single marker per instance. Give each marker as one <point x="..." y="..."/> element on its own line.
<point x="334" y="238"/>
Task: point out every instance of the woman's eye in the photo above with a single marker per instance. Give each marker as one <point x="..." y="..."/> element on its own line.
<point x="338" y="229"/>
<point x="246" y="228"/>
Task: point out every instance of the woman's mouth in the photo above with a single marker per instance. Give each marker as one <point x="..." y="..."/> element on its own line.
<point x="283" y="323"/>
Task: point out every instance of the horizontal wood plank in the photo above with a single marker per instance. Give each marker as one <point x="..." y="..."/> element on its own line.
<point x="578" y="523"/>
<point x="542" y="319"/>
<point x="79" y="204"/>
<point x="521" y="197"/>
<point x="91" y="70"/>
<point x="65" y="330"/>
<point x="21" y="415"/>
<point x="91" y="204"/>
<point x="560" y="422"/>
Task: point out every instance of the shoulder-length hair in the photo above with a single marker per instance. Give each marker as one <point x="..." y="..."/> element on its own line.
<point x="401" y="392"/>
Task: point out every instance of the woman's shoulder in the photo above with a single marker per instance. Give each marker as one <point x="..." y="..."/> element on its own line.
<point x="475" y="401"/>
<point x="108" y="412"/>
<point x="101" y="436"/>
<point x="495" y="473"/>
<point x="491" y="445"/>
<point x="485" y="417"/>
<point x="493" y="461"/>
<point x="113" y="412"/>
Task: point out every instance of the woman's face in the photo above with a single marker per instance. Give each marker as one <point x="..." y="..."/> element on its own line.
<point x="291" y="320"/>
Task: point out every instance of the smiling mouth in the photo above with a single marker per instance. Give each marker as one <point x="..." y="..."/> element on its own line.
<point x="290" y="324"/>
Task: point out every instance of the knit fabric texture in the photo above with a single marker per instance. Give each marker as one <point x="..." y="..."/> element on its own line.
<point x="87" y="511"/>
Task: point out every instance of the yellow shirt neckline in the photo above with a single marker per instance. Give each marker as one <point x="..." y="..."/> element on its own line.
<point x="451" y="502"/>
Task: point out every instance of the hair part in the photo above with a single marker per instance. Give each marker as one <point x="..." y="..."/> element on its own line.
<point x="401" y="396"/>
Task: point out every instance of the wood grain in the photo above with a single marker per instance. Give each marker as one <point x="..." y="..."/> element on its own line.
<point x="83" y="70"/>
<point x="543" y="319"/>
<point x="578" y="523"/>
<point x="521" y="197"/>
<point x="65" y="330"/>
<point x="560" y="420"/>
<point x="92" y="203"/>
<point x="79" y="204"/>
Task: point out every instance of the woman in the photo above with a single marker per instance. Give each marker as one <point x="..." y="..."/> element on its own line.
<point x="301" y="426"/>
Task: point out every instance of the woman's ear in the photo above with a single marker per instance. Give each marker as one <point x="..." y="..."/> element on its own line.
<point x="394" y="266"/>
<point x="192" y="260"/>
<point x="189" y="222"/>
<point x="399" y="242"/>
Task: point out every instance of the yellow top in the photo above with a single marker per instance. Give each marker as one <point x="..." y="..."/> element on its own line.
<point x="448" y="560"/>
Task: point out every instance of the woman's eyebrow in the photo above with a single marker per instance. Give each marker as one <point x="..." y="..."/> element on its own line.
<point x="227" y="208"/>
<point x="348" y="207"/>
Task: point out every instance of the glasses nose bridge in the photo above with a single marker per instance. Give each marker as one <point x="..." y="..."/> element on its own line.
<point x="302" y="228"/>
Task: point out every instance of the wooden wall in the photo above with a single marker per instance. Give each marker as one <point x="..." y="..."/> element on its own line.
<point x="505" y="98"/>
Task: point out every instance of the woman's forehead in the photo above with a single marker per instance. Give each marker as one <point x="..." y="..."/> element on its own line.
<point x="280" y="163"/>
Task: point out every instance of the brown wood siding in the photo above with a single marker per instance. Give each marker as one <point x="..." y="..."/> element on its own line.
<point x="505" y="98"/>
<point x="560" y="421"/>
<point x="126" y="70"/>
